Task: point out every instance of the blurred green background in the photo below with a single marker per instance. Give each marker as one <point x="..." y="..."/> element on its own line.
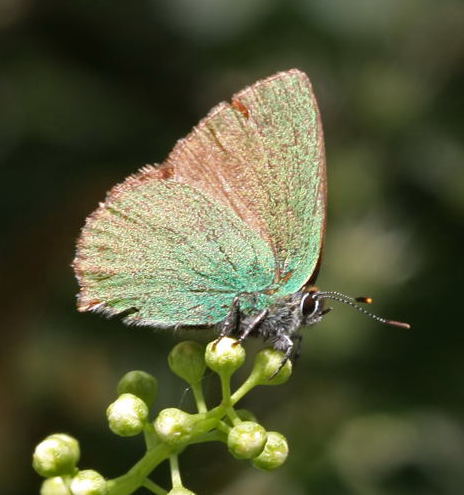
<point x="90" y="90"/>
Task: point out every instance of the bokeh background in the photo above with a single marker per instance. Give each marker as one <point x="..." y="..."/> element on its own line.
<point x="90" y="90"/>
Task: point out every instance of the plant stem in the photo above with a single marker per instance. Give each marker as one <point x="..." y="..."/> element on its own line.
<point x="175" y="473"/>
<point x="246" y="386"/>
<point x="211" y="436"/>
<point x="153" y="487"/>
<point x="226" y="399"/>
<point x="135" y="477"/>
<point x="223" y="427"/>
<point x="199" y="397"/>
<point x="150" y="436"/>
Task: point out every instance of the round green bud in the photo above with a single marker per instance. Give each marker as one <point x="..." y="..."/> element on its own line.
<point x="127" y="415"/>
<point x="246" y="415"/>
<point x="174" y="426"/>
<point x="54" y="486"/>
<point x="246" y="440"/>
<point x="274" y="454"/>
<point x="88" y="482"/>
<point x="266" y="364"/>
<point x="141" y="384"/>
<point x="57" y="455"/>
<point x="224" y="355"/>
<point x="187" y="360"/>
<point x="180" y="491"/>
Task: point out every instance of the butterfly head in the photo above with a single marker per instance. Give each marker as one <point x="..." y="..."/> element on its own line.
<point x="311" y="306"/>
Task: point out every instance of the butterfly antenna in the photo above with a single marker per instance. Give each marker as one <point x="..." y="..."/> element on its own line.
<point x="338" y="296"/>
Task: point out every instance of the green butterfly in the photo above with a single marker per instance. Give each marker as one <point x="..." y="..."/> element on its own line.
<point x="227" y="231"/>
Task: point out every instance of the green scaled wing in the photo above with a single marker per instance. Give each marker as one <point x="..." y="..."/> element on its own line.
<point x="238" y="208"/>
<point x="263" y="156"/>
<point x="165" y="254"/>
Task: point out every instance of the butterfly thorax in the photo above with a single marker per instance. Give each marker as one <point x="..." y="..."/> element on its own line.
<point x="280" y="323"/>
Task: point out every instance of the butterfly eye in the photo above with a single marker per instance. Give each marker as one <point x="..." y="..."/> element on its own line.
<point x="308" y="305"/>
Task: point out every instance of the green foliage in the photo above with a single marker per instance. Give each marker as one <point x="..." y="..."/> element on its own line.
<point x="173" y="429"/>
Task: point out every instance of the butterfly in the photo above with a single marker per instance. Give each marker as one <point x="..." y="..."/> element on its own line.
<point x="228" y="231"/>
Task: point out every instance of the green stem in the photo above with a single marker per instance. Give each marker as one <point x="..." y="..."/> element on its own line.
<point x="158" y="452"/>
<point x="226" y="399"/>
<point x="224" y="427"/>
<point x="135" y="477"/>
<point x="151" y="441"/>
<point x="153" y="487"/>
<point x="199" y="397"/>
<point x="67" y="481"/>
<point x="211" y="436"/>
<point x="175" y="473"/>
<point x="217" y="412"/>
<point x="246" y="386"/>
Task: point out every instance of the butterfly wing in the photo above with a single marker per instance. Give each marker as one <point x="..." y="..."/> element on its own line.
<point x="262" y="155"/>
<point x="237" y="208"/>
<point x="165" y="254"/>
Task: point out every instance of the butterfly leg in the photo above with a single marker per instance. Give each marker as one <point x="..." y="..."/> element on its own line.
<point x="297" y="340"/>
<point x="231" y="324"/>
<point x="252" y="325"/>
<point x="286" y="344"/>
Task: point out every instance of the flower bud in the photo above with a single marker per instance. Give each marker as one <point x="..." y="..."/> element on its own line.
<point x="54" y="486"/>
<point x="246" y="440"/>
<point x="88" y="482"/>
<point x="127" y="415"/>
<point x="224" y="355"/>
<point x="180" y="491"/>
<point x="267" y="362"/>
<point x="274" y="454"/>
<point x="174" y="426"/>
<point x="187" y="360"/>
<point x="57" y="455"/>
<point x="141" y="384"/>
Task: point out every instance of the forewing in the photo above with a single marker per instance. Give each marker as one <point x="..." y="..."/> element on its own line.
<point x="165" y="254"/>
<point x="262" y="155"/>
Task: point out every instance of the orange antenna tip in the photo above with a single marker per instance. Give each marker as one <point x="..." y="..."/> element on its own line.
<point x="400" y="324"/>
<point x="365" y="300"/>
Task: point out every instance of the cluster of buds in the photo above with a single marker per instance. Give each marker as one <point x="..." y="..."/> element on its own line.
<point x="172" y="430"/>
<point x="56" y="459"/>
